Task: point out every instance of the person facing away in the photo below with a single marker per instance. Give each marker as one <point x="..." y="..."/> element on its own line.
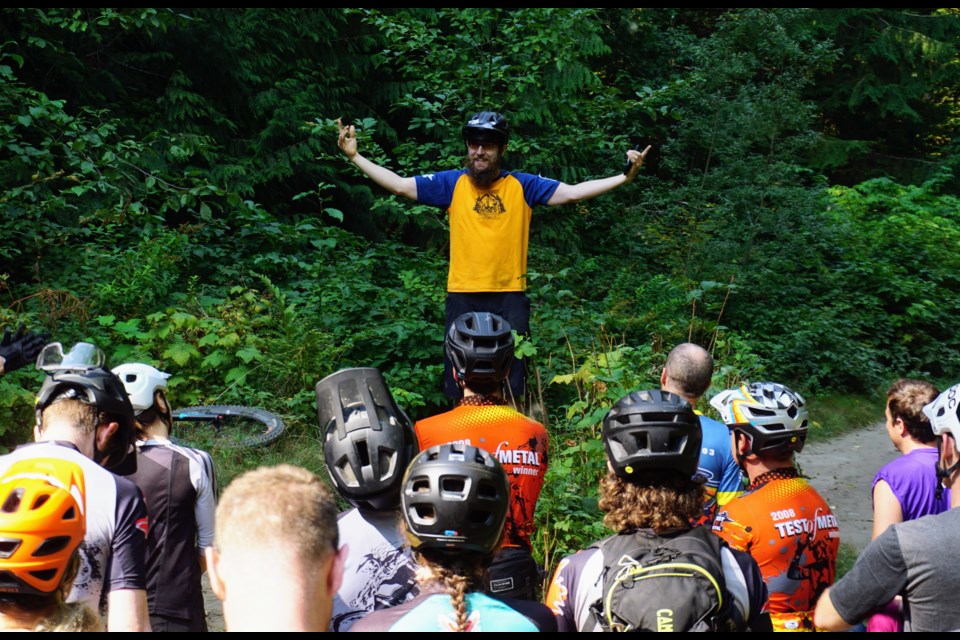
<point x="489" y="210"/>
<point x="780" y="519"/>
<point x="911" y="559"/>
<point x="84" y="416"/>
<point x="454" y="504"/>
<point x="687" y="373"/>
<point x="368" y="441"/>
<point x="274" y="562"/>
<point x="480" y="345"/>
<point x="42" y="524"/>
<point x="179" y="486"/>
<point x="650" y="497"/>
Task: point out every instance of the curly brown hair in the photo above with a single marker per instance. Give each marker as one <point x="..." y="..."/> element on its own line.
<point x="656" y="501"/>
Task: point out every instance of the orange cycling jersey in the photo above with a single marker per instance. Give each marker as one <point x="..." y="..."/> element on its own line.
<point x="518" y="442"/>
<point x="792" y="534"/>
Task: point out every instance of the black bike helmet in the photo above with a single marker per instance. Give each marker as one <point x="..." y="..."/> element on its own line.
<point x="774" y="418"/>
<point x="652" y="430"/>
<point x="455" y="498"/>
<point x="487" y="125"/>
<point x="103" y="389"/>
<point x="368" y="440"/>
<point x="480" y="347"/>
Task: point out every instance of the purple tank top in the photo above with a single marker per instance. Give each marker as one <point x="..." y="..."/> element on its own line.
<point x="913" y="480"/>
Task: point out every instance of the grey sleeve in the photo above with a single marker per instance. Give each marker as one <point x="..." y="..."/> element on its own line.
<point x="878" y="575"/>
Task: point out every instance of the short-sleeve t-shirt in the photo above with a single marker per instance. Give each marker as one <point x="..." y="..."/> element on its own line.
<point x="519" y="443"/>
<point x="489" y="228"/>
<point x="913" y="480"/>
<point x="724" y="481"/>
<point x="792" y="534"/>
<point x="114" y="549"/>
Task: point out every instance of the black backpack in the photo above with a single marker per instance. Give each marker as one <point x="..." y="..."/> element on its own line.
<point x="654" y="583"/>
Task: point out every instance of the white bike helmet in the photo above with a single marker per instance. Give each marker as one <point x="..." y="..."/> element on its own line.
<point x="944" y="413"/>
<point x="141" y="381"/>
<point x="773" y="417"/>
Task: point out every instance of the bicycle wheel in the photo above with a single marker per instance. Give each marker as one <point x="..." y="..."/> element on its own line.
<point x="225" y="426"/>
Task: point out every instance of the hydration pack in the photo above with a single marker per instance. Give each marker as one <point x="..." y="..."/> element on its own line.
<point x="654" y="583"/>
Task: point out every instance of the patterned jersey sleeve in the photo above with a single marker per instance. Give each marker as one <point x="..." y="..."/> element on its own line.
<point x="206" y="506"/>
<point x="575" y="586"/>
<point x="733" y="525"/>
<point x="128" y="553"/>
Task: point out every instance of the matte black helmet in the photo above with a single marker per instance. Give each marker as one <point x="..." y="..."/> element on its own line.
<point x="480" y="347"/>
<point x="368" y="440"/>
<point x="487" y="125"/>
<point x="772" y="416"/>
<point x="652" y="430"/>
<point x="455" y="498"/>
<point x="103" y="389"/>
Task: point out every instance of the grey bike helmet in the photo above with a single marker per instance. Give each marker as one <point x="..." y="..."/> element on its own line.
<point x="455" y="499"/>
<point x="368" y="440"/>
<point x="774" y="418"/>
<point x="487" y="125"/>
<point x="103" y="389"/>
<point x="480" y="346"/>
<point x="652" y="430"/>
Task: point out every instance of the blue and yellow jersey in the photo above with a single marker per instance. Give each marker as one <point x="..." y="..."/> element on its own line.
<point x="719" y="466"/>
<point x="489" y="228"/>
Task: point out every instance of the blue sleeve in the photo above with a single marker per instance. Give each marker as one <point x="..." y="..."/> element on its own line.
<point x="128" y="554"/>
<point x="537" y="190"/>
<point x="437" y="188"/>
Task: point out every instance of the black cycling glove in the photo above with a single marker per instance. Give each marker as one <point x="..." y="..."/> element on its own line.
<point x="20" y="348"/>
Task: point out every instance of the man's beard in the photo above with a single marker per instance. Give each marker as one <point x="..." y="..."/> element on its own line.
<point x="486" y="177"/>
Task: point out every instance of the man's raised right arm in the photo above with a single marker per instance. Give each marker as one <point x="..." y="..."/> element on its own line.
<point x="384" y="177"/>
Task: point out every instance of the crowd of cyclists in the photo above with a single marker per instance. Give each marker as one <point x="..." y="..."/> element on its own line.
<point x="107" y="524"/>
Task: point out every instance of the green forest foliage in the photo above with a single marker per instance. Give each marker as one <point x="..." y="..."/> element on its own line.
<point x="173" y="192"/>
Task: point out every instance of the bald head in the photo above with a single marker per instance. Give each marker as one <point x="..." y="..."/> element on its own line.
<point x="688" y="371"/>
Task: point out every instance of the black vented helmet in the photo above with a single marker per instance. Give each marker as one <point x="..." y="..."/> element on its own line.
<point x="652" y="430"/>
<point x="480" y="347"/>
<point x="487" y="125"/>
<point x="455" y="498"/>
<point x="368" y="440"/>
<point x="103" y="389"/>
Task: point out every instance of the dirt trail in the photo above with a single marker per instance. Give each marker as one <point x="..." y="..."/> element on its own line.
<point x="842" y="470"/>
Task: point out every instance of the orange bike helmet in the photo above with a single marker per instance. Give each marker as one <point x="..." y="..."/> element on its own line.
<point x="42" y="523"/>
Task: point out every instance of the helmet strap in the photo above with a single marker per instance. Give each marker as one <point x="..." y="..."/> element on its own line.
<point x="943" y="472"/>
<point x="736" y="451"/>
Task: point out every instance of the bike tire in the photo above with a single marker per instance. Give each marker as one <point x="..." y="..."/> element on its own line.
<point x="225" y="426"/>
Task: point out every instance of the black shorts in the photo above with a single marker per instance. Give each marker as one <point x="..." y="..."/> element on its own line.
<point x="512" y="306"/>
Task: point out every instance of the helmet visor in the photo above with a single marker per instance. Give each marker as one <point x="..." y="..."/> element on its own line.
<point x="79" y="357"/>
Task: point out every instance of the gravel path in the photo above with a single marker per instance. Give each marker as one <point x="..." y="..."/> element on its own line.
<point x="842" y="470"/>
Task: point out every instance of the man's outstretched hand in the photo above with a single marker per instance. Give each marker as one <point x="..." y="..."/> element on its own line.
<point x="21" y="348"/>
<point x="347" y="139"/>
<point x="636" y="158"/>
